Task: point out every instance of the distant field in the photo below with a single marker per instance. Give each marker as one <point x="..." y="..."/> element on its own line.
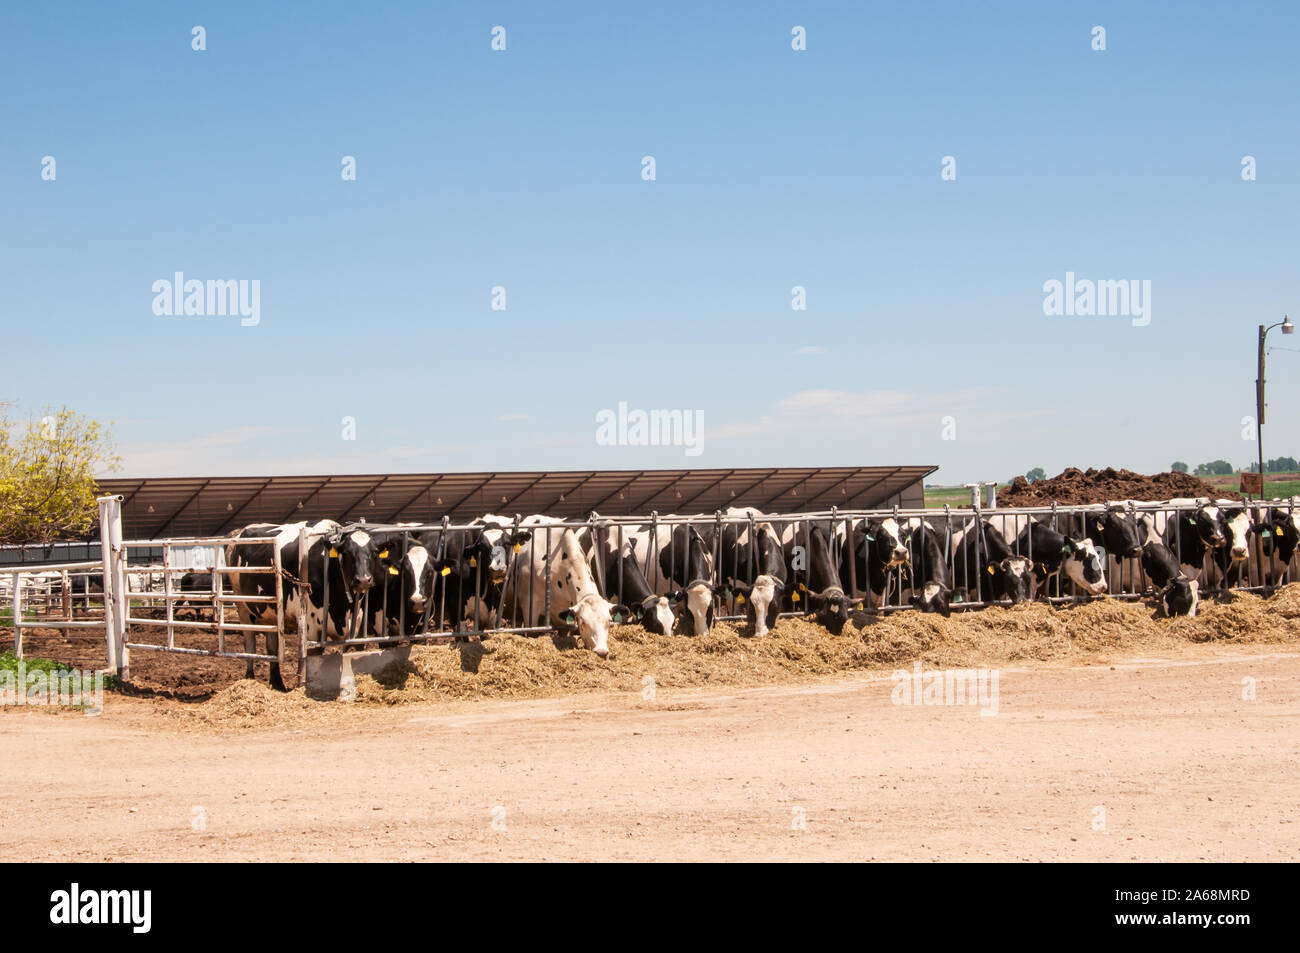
<point x="1275" y="484"/>
<point x="951" y="495"/>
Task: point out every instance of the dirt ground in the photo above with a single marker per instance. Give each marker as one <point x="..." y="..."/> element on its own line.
<point x="1137" y="758"/>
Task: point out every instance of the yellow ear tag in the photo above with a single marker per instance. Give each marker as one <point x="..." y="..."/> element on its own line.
<point x="384" y="554"/>
<point x="334" y="553"/>
<point x="794" y="597"/>
<point x="393" y="571"/>
<point x="473" y="562"/>
<point x="519" y="547"/>
<point x="446" y="570"/>
<point x="990" y="570"/>
<point x="739" y="597"/>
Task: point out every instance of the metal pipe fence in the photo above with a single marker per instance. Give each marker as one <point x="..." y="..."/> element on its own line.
<point x="502" y="576"/>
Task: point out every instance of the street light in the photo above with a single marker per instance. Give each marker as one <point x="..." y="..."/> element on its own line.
<point x="1287" y="328"/>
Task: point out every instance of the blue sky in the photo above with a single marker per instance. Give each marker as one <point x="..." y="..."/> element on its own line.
<point x="775" y="168"/>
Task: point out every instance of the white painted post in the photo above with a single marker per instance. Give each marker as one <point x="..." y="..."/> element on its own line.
<point x="167" y="594"/>
<point x="304" y="604"/>
<point x="17" y="604"/>
<point x="115" y="594"/>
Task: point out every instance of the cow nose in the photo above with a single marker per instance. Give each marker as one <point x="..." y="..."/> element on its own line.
<point x="603" y="653"/>
<point x="1239" y="552"/>
<point x="364" y="580"/>
<point x="1134" y="552"/>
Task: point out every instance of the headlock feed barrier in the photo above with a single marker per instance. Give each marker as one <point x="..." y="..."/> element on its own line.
<point x="140" y="605"/>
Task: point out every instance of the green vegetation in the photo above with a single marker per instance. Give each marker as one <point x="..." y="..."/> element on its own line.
<point x="47" y="475"/>
<point x="7" y="616"/>
<point x="9" y="663"/>
<point x="1214" y="468"/>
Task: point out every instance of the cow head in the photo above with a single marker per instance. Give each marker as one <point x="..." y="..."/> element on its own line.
<point x="762" y="602"/>
<point x="1208" y="521"/>
<point x="498" y="547"/>
<point x="656" y="615"/>
<point x="592" y="616"/>
<point x="831" y="607"/>
<point x="357" y="555"/>
<point x="416" y="576"/>
<point x="1236" y="532"/>
<point x="1180" y="596"/>
<point x="1083" y="566"/>
<point x="934" y="598"/>
<point x="1286" y="533"/>
<point x="1014" y="578"/>
<point x="888" y="542"/>
<point x="1117" y="531"/>
<point x="697" y="602"/>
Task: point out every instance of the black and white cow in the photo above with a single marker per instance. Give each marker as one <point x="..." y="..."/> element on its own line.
<point x="195" y="583"/>
<point x="1114" y="530"/>
<point x="1174" y="591"/>
<point x="1277" y="531"/>
<point x="624" y="583"/>
<point x="407" y="574"/>
<point x="751" y="565"/>
<point x="1194" y="532"/>
<point x="824" y="590"/>
<point x="346" y="559"/>
<point x="927" y="584"/>
<point x="677" y="563"/>
<point x="470" y="567"/>
<point x="1056" y="555"/>
<point x="986" y="568"/>
<point x="878" y="549"/>
<point x="1232" y="559"/>
<point x="554" y="554"/>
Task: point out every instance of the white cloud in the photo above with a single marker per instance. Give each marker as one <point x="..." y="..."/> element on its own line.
<point x="874" y="411"/>
<point x="508" y="417"/>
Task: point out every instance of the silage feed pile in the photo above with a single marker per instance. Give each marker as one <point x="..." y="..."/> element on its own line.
<point x="510" y="666"/>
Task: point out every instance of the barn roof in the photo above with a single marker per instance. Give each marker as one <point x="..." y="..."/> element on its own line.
<point x="201" y="506"/>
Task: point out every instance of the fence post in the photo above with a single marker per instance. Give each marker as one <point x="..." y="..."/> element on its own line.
<point x="304" y="605"/>
<point x="17" y="605"/>
<point x="115" y="596"/>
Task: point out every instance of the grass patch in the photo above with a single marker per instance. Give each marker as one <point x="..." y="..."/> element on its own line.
<point x="52" y="670"/>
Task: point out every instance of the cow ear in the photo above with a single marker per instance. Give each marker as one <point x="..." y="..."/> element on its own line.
<point x="568" y="617"/>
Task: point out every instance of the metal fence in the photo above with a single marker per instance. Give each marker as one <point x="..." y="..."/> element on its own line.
<point x="512" y="605"/>
<point x="139" y="602"/>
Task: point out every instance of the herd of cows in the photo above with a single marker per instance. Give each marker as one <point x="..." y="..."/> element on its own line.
<point x="673" y="572"/>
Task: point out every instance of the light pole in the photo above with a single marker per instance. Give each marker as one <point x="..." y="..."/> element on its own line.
<point x="1287" y="328"/>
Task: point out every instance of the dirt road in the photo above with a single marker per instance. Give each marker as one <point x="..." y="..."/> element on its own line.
<point x="1148" y="760"/>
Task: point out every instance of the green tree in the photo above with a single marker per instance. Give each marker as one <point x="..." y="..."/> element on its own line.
<point x="1178" y="466"/>
<point x="1214" y="468"/>
<point x="1037" y="473"/>
<point x="47" y="475"/>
